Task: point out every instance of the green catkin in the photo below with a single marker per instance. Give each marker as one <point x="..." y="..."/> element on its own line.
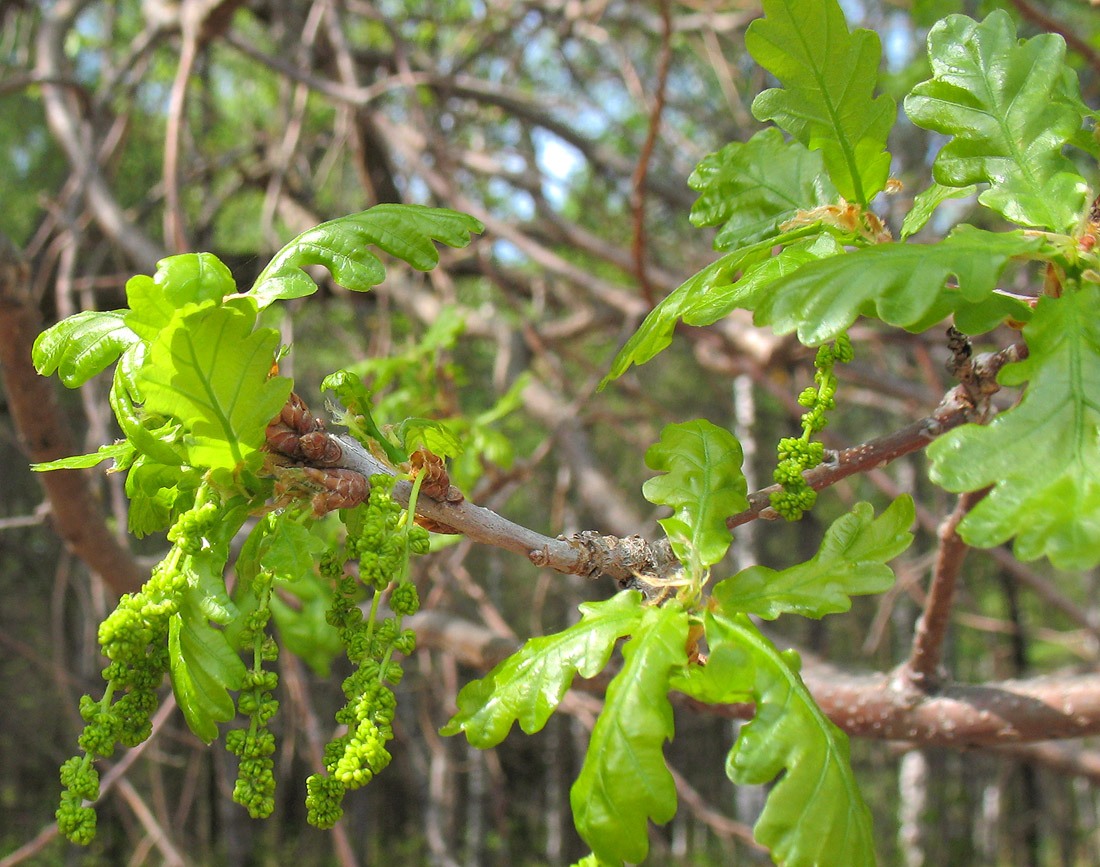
<point x="382" y="542"/>
<point x="134" y="638"/>
<point x="798" y="454"/>
<point x="255" y="786"/>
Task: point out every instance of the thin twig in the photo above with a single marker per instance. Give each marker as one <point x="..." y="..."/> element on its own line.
<point x="1045" y="22"/>
<point x="964" y="403"/>
<point x="637" y="199"/>
<point x="923" y="668"/>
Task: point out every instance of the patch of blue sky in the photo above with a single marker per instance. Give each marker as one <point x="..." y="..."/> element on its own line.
<point x="557" y="161"/>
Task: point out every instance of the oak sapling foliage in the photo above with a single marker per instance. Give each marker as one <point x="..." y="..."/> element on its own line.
<point x="213" y="441"/>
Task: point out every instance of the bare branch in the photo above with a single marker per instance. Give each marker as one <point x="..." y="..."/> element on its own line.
<point x="875" y="706"/>
<point x="923" y="667"/>
<point x="77" y="512"/>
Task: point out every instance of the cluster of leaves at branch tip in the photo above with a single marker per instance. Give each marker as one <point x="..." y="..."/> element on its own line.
<point x="193" y="393"/>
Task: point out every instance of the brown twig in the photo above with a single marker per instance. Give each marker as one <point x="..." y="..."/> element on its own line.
<point x="1045" y="22"/>
<point x="964" y="403"/>
<point x="77" y="513"/>
<point x="923" y="667"/>
<point x="638" y="195"/>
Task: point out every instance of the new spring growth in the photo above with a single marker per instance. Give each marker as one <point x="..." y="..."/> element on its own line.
<point x="798" y="454"/>
<point x="255" y="786"/>
<point x="381" y="536"/>
<point x="134" y="637"/>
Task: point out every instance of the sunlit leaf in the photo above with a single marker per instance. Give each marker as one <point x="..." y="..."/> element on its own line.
<point x="528" y="686"/>
<point x="190" y="278"/>
<point x="1042" y="456"/>
<point x="202" y="668"/>
<point x="82" y="345"/>
<point x="624" y="779"/>
<point x="703" y="484"/>
<point x="851" y="561"/>
<point x="903" y="284"/>
<point x="655" y="332"/>
<point x="407" y="232"/>
<point x="209" y="369"/>
<point x="754" y="186"/>
<point x="827" y="100"/>
<point x="814" y="814"/>
<point x="1010" y="106"/>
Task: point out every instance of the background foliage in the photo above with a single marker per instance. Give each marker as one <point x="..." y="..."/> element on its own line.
<point x="533" y="118"/>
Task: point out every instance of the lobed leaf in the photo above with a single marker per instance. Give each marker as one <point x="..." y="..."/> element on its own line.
<point x="814" y="815"/>
<point x="80" y="346"/>
<point x="752" y="187"/>
<point x="1010" y="106"/>
<point x="624" y="778"/>
<point x="209" y="369"/>
<point x="191" y="278"/>
<point x="702" y="483"/>
<point x="851" y="562"/>
<point x="528" y="686"/>
<point x="1043" y="456"/>
<point x="721" y="276"/>
<point x="901" y="284"/>
<point x="827" y="103"/>
<point x="407" y="232"/>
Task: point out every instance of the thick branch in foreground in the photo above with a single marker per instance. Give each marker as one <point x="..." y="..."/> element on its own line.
<point x="77" y="513"/>
<point x="876" y="706"/>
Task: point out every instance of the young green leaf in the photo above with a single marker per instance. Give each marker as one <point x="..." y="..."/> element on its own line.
<point x="157" y="441"/>
<point x="404" y="231"/>
<point x="353" y="394"/>
<point x="925" y="204"/>
<point x="284" y="547"/>
<point x="706" y="308"/>
<point x="827" y="103"/>
<point x="1042" y="456"/>
<point x="80" y="346"/>
<point x="209" y="369"/>
<point x="190" y="278"/>
<point x="624" y="778"/>
<point x="655" y="332"/>
<point x="119" y="452"/>
<point x="702" y="483"/>
<point x="435" y="436"/>
<point x="901" y="284"/>
<point x="529" y="684"/>
<point x="851" y="561"/>
<point x="728" y="675"/>
<point x="752" y="187"/>
<point x="814" y="815"/>
<point x="1010" y="107"/>
<point x="202" y="667"/>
